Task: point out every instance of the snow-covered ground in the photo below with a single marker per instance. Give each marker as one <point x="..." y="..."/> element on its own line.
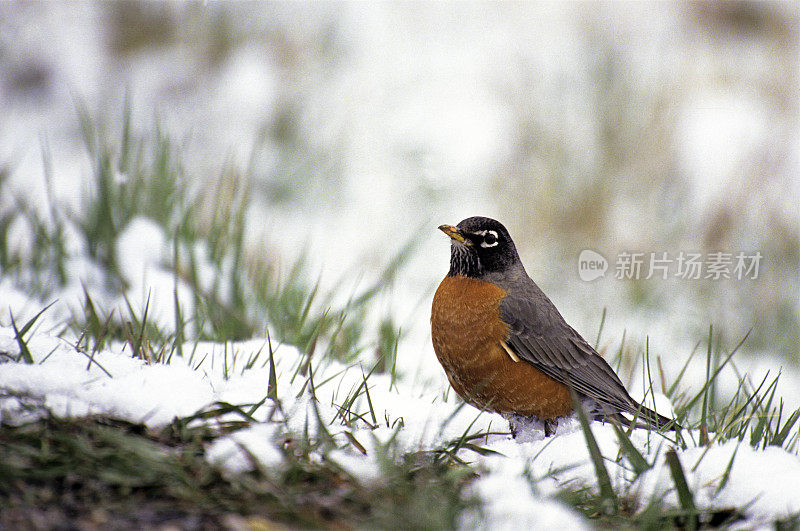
<point x="518" y="484"/>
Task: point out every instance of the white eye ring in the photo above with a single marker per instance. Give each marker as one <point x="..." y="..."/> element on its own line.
<point x="493" y="233"/>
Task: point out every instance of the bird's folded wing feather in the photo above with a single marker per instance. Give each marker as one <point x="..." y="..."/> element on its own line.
<point x="541" y="337"/>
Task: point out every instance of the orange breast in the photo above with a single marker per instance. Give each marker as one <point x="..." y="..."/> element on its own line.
<point x="467" y="332"/>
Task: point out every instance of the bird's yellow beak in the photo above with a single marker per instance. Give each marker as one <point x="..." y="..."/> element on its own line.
<point x="454" y="233"/>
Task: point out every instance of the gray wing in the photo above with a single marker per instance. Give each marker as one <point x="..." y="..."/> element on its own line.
<point x="540" y="336"/>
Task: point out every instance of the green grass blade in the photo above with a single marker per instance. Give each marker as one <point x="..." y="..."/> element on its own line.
<point x="677" y="381"/>
<point x="464" y="442"/>
<point x="179" y="322"/>
<point x="369" y="399"/>
<point x="620" y="352"/>
<point x="685" y="496"/>
<point x="649" y="375"/>
<point x="608" y="498"/>
<point x="357" y="445"/>
<point x="714" y="374"/>
<point x="24" y="352"/>
<point x="635" y="458"/>
<point x="783" y="433"/>
<point x="323" y="435"/>
<point x="272" y="386"/>
<point x="600" y="329"/>
<point x="706" y="388"/>
<point x="727" y="473"/>
<point x="29" y="324"/>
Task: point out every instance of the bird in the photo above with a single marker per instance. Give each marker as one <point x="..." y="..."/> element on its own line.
<point x="505" y="348"/>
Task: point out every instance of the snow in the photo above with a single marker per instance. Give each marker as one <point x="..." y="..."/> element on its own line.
<point x="260" y="443"/>
<point x="760" y="481"/>
<point x="113" y="383"/>
<point x="525" y="510"/>
<point x="519" y="482"/>
<point x="142" y="250"/>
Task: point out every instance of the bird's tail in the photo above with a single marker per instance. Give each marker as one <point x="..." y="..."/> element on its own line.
<point x="629" y="414"/>
<point x="647" y="418"/>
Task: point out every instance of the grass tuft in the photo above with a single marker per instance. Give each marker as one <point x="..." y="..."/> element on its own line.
<point x="608" y="502"/>
<point x="24" y="352"/>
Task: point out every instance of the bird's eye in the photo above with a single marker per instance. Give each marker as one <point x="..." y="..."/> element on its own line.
<point x="489" y="239"/>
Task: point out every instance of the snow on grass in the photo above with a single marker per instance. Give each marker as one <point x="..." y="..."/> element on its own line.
<point x="762" y="483"/>
<point x="141" y="249"/>
<point x="518" y="482"/>
<point x="258" y="440"/>
<point x="110" y="383"/>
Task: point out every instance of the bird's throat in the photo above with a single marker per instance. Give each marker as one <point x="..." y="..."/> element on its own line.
<point x="464" y="262"/>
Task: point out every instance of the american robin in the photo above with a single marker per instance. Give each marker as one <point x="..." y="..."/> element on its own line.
<point x="505" y="347"/>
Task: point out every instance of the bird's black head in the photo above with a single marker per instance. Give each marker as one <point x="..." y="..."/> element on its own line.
<point x="480" y="246"/>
